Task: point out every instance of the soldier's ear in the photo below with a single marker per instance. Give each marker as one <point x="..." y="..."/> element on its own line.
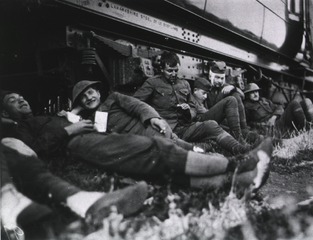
<point x="5" y="114"/>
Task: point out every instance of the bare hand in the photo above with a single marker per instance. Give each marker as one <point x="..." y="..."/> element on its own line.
<point x="83" y="126"/>
<point x="183" y="106"/>
<point x="8" y="121"/>
<point x="271" y="121"/>
<point x="161" y="125"/>
<point x="227" y="89"/>
<point x="18" y="146"/>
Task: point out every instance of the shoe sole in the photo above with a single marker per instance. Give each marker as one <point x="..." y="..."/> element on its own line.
<point x="127" y="201"/>
<point x="263" y="170"/>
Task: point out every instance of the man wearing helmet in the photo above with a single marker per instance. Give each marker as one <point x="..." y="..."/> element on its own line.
<point x="136" y="155"/>
<point x="262" y="111"/>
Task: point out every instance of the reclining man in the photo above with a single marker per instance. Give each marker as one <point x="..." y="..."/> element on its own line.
<point x="126" y="114"/>
<point x="172" y="98"/>
<point x="21" y="167"/>
<point x="263" y="112"/>
<point x="133" y="154"/>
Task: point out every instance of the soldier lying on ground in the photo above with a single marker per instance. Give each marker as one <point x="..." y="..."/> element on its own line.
<point x="131" y="154"/>
<point x="21" y="168"/>
<point x="126" y="114"/>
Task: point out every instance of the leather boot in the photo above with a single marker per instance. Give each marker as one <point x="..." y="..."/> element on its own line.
<point x="252" y="137"/>
<point x="230" y="144"/>
<point x="247" y="162"/>
<point x="239" y="137"/>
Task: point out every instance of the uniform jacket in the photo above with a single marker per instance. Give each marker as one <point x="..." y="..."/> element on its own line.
<point x="44" y="134"/>
<point x="201" y="107"/>
<point x="164" y="98"/>
<point x="126" y="113"/>
<point x="262" y="110"/>
<point x="214" y="96"/>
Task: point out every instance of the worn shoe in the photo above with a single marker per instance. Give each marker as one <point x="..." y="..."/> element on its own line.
<point x="18" y="210"/>
<point x="263" y="170"/>
<point x="248" y="162"/>
<point x="127" y="201"/>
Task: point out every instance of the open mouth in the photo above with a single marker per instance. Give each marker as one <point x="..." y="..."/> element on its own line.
<point x="23" y="105"/>
<point x="90" y="101"/>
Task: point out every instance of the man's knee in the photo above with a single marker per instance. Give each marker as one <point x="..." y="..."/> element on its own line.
<point x="210" y="123"/>
<point x="211" y="127"/>
<point x="231" y="102"/>
<point x="294" y="104"/>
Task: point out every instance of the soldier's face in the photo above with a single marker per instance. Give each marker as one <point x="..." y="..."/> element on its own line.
<point x="16" y="106"/>
<point x="90" y="99"/>
<point x="170" y="73"/>
<point x="200" y="94"/>
<point x="254" y="96"/>
<point x="217" y="79"/>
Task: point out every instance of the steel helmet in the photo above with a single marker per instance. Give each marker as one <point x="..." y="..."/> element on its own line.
<point x="82" y="86"/>
<point x="251" y="87"/>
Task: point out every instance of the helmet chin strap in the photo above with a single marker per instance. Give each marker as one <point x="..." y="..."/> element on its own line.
<point x="212" y="77"/>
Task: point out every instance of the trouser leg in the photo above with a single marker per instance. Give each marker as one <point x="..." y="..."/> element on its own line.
<point x="308" y="109"/>
<point x="293" y="117"/>
<point x="148" y="131"/>
<point x="241" y="110"/>
<point x="202" y="131"/>
<point x="5" y="173"/>
<point x="226" y="108"/>
<point x="205" y="164"/>
<point x="129" y="154"/>
<point x="34" y="180"/>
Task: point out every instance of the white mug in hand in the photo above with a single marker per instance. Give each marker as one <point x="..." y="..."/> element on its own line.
<point x="101" y="119"/>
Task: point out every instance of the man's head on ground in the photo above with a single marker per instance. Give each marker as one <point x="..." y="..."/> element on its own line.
<point x="252" y="92"/>
<point x="87" y="94"/>
<point x="201" y="87"/>
<point x="169" y="63"/>
<point x="14" y="106"/>
<point x="217" y="73"/>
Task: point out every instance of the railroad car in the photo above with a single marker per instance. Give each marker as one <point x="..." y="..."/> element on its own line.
<point x="48" y="45"/>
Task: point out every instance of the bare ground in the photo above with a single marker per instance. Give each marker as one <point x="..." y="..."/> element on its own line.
<point x="290" y="185"/>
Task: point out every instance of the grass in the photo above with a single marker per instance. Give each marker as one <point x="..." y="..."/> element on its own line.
<point x="178" y="213"/>
<point x="290" y="147"/>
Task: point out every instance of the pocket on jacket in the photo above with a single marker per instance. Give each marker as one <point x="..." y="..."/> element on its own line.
<point x="184" y="91"/>
<point x="164" y="92"/>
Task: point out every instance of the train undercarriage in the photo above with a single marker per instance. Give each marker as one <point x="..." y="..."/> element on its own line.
<point x="47" y="46"/>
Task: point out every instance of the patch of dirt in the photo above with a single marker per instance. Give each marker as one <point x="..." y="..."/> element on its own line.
<point x="297" y="185"/>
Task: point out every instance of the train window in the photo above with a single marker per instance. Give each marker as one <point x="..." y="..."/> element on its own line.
<point x="289" y="5"/>
<point x="294" y="6"/>
<point x="297" y="6"/>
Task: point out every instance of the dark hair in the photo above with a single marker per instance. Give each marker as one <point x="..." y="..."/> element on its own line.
<point x="169" y="58"/>
<point x="3" y="93"/>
